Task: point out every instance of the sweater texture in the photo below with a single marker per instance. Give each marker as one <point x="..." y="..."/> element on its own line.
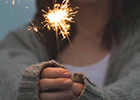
<point x="23" y="57"/>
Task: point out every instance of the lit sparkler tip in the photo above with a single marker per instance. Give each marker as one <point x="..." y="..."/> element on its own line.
<point x="59" y="18"/>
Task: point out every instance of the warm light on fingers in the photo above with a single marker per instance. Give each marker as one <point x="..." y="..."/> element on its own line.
<point x="77" y="88"/>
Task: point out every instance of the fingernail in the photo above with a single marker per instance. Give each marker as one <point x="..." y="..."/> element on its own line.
<point x="67" y="82"/>
<point x="68" y="95"/>
<point x="67" y="75"/>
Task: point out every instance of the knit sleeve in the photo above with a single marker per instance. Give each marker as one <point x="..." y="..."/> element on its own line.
<point x="29" y="89"/>
<point x="90" y="90"/>
<point x="19" y="50"/>
<point x="124" y="88"/>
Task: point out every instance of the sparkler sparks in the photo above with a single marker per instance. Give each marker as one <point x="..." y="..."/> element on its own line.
<point x="59" y="18"/>
<point x="34" y="28"/>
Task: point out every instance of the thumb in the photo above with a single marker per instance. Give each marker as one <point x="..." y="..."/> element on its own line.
<point x="77" y="88"/>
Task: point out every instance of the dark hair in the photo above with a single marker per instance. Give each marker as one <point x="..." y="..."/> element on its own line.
<point x="49" y="39"/>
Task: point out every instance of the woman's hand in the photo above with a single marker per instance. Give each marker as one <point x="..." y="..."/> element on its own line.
<point x="56" y="84"/>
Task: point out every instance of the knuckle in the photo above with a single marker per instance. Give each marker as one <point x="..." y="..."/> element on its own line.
<point x="66" y="71"/>
<point x="63" y="83"/>
<point x="60" y="72"/>
<point x="66" y="74"/>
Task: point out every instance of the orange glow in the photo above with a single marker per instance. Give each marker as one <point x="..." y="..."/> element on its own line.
<point x="59" y="18"/>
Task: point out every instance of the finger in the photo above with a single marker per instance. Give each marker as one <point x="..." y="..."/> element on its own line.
<point x="51" y="72"/>
<point x="59" y="83"/>
<point x="77" y="88"/>
<point x="63" y="95"/>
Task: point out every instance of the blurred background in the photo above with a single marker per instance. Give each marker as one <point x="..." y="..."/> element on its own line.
<point x="14" y="16"/>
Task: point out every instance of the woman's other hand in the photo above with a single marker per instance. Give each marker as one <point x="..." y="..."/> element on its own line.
<point x="56" y="84"/>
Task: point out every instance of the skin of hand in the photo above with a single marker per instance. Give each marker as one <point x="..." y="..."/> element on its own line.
<point x="56" y="84"/>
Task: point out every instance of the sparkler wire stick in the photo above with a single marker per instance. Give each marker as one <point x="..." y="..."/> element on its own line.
<point x="54" y="1"/>
<point x="57" y="45"/>
<point x="59" y="19"/>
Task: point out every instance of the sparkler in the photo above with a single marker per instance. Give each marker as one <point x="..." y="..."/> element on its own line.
<point x="59" y="18"/>
<point x="34" y="28"/>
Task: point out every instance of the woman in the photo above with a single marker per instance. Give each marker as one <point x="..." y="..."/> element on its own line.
<point x="41" y="81"/>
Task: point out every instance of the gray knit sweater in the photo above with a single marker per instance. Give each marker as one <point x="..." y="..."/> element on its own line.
<point x="22" y="50"/>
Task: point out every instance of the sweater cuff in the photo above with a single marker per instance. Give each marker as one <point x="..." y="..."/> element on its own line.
<point x="90" y="91"/>
<point x="28" y="89"/>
